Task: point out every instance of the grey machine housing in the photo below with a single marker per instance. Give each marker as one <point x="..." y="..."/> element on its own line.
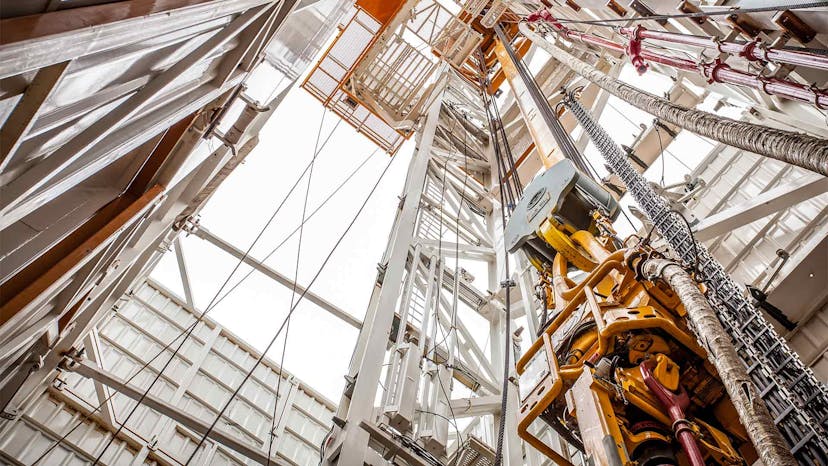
<point x="566" y="194"/>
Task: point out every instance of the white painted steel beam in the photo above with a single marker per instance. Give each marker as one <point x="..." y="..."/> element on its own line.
<point x="385" y="439"/>
<point x="478" y="406"/>
<point x="767" y="203"/>
<point x="23" y="243"/>
<point x="22" y="118"/>
<point x="104" y="273"/>
<point x="93" y="351"/>
<point x="208" y="236"/>
<point x="366" y="364"/>
<point x="450" y="249"/>
<point x="120" y="26"/>
<point x="153" y="223"/>
<point x="117" y="145"/>
<point x="471" y="345"/>
<point x="183" y="273"/>
<point x="10" y="348"/>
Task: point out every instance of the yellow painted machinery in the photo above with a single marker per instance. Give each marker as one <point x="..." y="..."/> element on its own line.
<point x="615" y="370"/>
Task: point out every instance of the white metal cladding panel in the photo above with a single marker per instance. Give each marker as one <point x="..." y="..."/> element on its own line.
<point x="306" y="426"/>
<point x="224" y="459"/>
<point x="144" y="421"/>
<point x="810" y="342"/>
<point x="132" y="336"/>
<point x="310" y="405"/>
<point x="32" y="434"/>
<point x="734" y="177"/>
<point x="298" y="451"/>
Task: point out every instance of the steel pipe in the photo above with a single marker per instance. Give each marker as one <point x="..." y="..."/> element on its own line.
<point x="676" y="405"/>
<point x="753" y="51"/>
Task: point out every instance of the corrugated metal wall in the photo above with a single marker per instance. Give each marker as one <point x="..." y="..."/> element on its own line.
<point x="200" y="380"/>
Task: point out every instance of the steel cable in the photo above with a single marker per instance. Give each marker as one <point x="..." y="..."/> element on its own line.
<point x="507" y="345"/>
<point x="290" y="313"/>
<point x="273" y="421"/>
<point x="296" y="229"/>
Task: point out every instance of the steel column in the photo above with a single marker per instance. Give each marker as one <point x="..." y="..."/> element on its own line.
<point x="369" y="359"/>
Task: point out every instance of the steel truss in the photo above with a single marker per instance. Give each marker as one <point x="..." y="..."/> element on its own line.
<point x="438" y="371"/>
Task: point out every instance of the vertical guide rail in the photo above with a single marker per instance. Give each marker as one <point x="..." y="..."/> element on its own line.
<point x="795" y="398"/>
<point x="561" y="136"/>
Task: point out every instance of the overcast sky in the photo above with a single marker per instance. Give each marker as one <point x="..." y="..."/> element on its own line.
<point x="320" y="345"/>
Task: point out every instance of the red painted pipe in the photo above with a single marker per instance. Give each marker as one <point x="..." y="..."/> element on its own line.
<point x="715" y="71"/>
<point x="675" y="404"/>
<point x="750" y="50"/>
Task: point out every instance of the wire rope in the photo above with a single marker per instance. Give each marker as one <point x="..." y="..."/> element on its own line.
<point x="445" y="393"/>
<point x="507" y="345"/>
<point x="461" y="198"/>
<point x="296" y="229"/>
<point x="452" y="327"/>
<point x="440" y="247"/>
<point x="87" y="416"/>
<point x="494" y="125"/>
<point x="290" y="313"/>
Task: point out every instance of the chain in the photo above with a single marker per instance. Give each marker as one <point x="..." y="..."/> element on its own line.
<point x="797" y="400"/>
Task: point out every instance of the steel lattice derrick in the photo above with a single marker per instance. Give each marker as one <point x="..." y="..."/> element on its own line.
<point x="795" y="398"/>
<point x="436" y="320"/>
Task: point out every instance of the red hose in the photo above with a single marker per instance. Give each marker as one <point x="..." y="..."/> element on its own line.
<point x="675" y="404"/>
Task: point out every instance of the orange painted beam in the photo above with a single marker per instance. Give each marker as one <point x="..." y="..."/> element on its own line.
<point x="66" y="258"/>
<point x="499" y="77"/>
<point x="143" y="179"/>
<point x="519" y="161"/>
<point x="381" y="10"/>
